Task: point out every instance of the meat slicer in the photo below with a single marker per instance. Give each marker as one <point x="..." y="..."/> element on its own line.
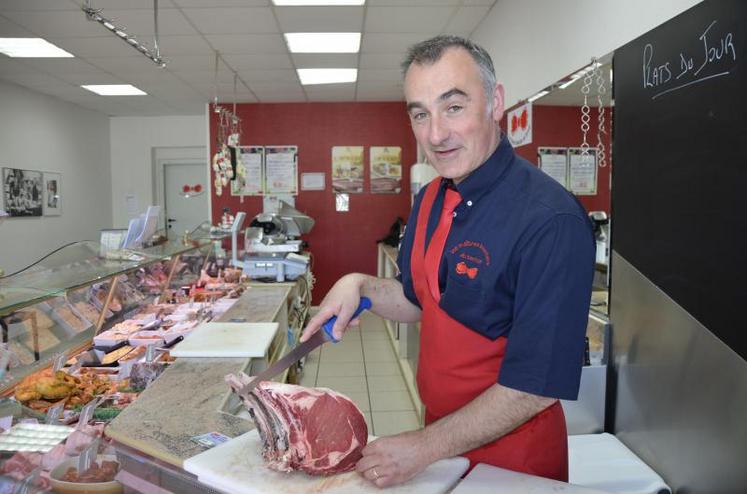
<point x="271" y="244"/>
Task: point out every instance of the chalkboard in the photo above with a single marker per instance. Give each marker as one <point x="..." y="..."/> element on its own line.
<point x="679" y="186"/>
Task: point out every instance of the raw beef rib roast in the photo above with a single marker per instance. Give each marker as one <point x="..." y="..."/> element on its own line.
<point x="316" y="430"/>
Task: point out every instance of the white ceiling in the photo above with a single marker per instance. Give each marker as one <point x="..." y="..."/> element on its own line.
<point x="246" y="33"/>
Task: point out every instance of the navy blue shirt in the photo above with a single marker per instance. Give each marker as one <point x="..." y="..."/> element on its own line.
<point x="518" y="262"/>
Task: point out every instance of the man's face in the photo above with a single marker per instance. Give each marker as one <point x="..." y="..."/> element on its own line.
<point x="449" y="113"/>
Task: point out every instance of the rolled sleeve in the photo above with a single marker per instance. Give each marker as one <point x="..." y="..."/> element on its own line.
<point x="545" y="348"/>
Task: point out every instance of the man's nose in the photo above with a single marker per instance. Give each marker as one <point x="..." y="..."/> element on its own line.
<point x="438" y="131"/>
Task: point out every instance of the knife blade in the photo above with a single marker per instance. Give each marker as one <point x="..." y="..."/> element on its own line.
<point x="304" y="348"/>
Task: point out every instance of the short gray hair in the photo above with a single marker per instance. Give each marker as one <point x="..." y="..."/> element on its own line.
<point x="431" y="50"/>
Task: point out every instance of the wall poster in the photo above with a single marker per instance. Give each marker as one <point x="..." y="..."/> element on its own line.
<point x="582" y="172"/>
<point x="347" y="169"/>
<point x="554" y="162"/>
<point x="52" y="204"/>
<point x="249" y="180"/>
<point x="22" y="192"/>
<point x="281" y="170"/>
<point x="386" y="169"/>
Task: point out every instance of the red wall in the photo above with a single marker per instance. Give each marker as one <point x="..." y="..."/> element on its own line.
<point x="340" y="242"/>
<point x="560" y="126"/>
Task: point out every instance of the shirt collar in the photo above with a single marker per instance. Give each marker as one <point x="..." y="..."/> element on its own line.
<point x="485" y="177"/>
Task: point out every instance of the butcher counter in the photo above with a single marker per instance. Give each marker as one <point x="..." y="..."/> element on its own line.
<point x="154" y="434"/>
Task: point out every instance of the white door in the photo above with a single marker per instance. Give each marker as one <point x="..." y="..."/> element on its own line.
<point x="186" y="195"/>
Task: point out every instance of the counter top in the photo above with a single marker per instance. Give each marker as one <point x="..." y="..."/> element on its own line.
<point x="184" y="401"/>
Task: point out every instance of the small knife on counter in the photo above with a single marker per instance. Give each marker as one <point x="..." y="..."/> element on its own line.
<point x="322" y="336"/>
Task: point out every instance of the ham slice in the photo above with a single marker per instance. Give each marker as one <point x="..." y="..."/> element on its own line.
<point x="315" y="430"/>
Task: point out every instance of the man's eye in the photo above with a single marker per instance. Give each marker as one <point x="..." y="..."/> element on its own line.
<point x="454" y="108"/>
<point x="419" y="116"/>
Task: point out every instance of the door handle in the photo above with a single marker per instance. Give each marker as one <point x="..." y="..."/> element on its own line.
<point x="170" y="220"/>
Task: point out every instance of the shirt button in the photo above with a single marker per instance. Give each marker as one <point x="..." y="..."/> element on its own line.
<point x="454" y="214"/>
<point x="469" y="203"/>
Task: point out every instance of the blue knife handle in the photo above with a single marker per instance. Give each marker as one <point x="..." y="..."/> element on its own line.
<point x="364" y="304"/>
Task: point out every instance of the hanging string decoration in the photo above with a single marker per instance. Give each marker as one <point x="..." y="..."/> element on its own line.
<point x="601" y="91"/>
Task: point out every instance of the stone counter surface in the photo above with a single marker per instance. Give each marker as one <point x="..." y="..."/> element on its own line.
<point x="184" y="401"/>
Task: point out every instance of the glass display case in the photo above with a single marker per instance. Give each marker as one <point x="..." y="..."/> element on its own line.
<point x="57" y="305"/>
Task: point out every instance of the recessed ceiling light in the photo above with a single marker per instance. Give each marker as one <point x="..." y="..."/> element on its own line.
<point x="114" y="89"/>
<point x="31" y="48"/>
<point x="327" y="76"/>
<point x="309" y="3"/>
<point x="323" y="42"/>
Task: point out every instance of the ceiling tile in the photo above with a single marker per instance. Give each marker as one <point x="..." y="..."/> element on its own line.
<point x="378" y="95"/>
<point x="289" y="84"/>
<point x="392" y="42"/>
<point x="9" y="29"/>
<point x="325" y="60"/>
<point x="381" y="60"/>
<point x="271" y="75"/>
<point x="280" y="95"/>
<point x="56" y="23"/>
<point x="466" y="20"/>
<point x="412" y="3"/>
<point x="479" y="2"/>
<point x="140" y="22"/>
<point x="192" y="44"/>
<point x="9" y="5"/>
<point x="258" y="61"/>
<point x="320" y="19"/>
<point x="62" y="65"/>
<point x="107" y="45"/>
<point x="204" y="76"/>
<point x="407" y="19"/>
<point x="191" y="62"/>
<point x="248" y="43"/>
<point x="233" y="20"/>
<point x="386" y="75"/>
<point x="14" y="66"/>
<point x="124" y="65"/>
<point x="80" y="79"/>
<point x="32" y="79"/>
<point x="222" y="3"/>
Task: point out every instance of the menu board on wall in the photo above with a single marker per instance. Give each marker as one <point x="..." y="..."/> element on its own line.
<point x="386" y="169"/>
<point x="281" y="169"/>
<point x="582" y="172"/>
<point x="249" y="179"/>
<point x="554" y="162"/>
<point x="347" y="169"/>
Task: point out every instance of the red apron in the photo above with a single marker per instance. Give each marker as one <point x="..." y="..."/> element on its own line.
<point x="456" y="364"/>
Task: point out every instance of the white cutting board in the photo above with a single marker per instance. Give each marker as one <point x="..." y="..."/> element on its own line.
<point x="227" y="339"/>
<point x="237" y="467"/>
<point x="487" y="479"/>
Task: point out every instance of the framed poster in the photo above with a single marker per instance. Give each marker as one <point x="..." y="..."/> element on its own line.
<point x="520" y="125"/>
<point x="22" y="192"/>
<point x="582" y="172"/>
<point x="313" y="181"/>
<point x="554" y="162"/>
<point x="250" y="178"/>
<point x="347" y="169"/>
<point x="386" y="169"/>
<point x="281" y="170"/>
<point x="52" y="205"/>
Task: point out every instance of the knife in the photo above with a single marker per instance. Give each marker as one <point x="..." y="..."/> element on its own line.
<point x="304" y="348"/>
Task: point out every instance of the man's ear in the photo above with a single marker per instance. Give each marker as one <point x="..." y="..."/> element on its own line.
<point x="498" y="102"/>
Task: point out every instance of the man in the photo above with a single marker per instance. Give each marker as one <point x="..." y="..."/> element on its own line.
<point x="497" y="265"/>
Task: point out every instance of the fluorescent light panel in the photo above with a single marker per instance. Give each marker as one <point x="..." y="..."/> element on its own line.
<point x="323" y="42"/>
<point x="310" y="3"/>
<point x="31" y="48"/>
<point x="327" y="76"/>
<point x="114" y="89"/>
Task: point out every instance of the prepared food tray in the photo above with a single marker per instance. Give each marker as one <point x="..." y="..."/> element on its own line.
<point x="47" y="388"/>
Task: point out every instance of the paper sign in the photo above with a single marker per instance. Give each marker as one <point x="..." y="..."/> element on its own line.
<point x="210" y="439"/>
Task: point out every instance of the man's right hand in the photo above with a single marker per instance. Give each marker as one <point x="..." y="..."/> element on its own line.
<point x="342" y="300"/>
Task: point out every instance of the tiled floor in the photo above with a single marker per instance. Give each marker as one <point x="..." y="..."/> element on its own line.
<point x="363" y="366"/>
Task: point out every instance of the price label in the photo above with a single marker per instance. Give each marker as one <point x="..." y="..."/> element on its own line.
<point x="59" y="362"/>
<point x="88" y="456"/>
<point x="54" y="413"/>
<point x="87" y="413"/>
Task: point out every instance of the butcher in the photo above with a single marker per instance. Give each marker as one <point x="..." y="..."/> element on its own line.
<point x="497" y="264"/>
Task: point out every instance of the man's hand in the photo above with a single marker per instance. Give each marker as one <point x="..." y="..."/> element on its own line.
<point x="394" y="459"/>
<point x="342" y="300"/>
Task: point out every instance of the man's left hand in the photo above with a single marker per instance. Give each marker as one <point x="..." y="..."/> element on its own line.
<point x="394" y="459"/>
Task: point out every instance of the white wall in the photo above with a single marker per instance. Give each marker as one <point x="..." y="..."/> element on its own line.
<point x="134" y="144"/>
<point x="38" y="132"/>
<point x="535" y="43"/>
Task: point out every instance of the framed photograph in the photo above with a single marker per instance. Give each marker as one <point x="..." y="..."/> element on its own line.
<point x="52" y="194"/>
<point x="22" y="192"/>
